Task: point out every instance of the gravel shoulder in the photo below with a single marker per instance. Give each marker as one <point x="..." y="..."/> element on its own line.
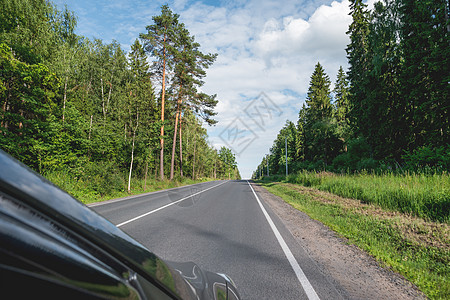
<point x="355" y="271"/>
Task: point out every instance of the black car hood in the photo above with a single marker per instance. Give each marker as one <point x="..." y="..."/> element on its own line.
<point x="37" y="192"/>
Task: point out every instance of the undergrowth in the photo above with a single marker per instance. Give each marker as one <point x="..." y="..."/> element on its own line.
<point x="89" y="191"/>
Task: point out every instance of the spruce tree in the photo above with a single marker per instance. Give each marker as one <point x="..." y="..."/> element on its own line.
<point x="425" y="37"/>
<point x="341" y="95"/>
<point x="385" y="111"/>
<point x="322" y="142"/>
<point x="319" y="96"/>
<point x="358" y="61"/>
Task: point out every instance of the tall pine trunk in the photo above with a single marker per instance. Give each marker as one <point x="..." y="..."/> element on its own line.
<point x="161" y="154"/>
<point x="181" y="151"/>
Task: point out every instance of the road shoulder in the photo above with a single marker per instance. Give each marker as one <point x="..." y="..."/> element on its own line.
<point x="353" y="269"/>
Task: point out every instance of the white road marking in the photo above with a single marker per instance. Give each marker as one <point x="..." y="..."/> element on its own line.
<point x="307" y="287"/>
<point x="167" y="205"/>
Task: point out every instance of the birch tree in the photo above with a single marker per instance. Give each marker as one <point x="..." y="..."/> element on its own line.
<point x="140" y="96"/>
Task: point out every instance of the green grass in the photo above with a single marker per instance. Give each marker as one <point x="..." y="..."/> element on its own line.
<point x="84" y="191"/>
<point x="426" y="266"/>
<point x="425" y="196"/>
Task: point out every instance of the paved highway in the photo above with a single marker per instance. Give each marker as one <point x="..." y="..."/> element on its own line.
<point x="224" y="227"/>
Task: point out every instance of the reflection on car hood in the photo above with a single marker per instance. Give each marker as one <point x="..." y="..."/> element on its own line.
<point x="206" y="285"/>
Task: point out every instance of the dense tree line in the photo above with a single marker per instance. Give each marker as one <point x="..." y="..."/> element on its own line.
<point x="86" y="107"/>
<point x="390" y="110"/>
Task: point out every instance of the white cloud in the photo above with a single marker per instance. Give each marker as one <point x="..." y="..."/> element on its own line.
<point x="265" y="46"/>
<point x="322" y="37"/>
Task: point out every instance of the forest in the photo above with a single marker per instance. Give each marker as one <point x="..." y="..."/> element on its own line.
<point x="87" y="111"/>
<point x="369" y="156"/>
<point x="389" y="111"/>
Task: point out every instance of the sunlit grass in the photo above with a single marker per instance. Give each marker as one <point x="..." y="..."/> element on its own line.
<point x="425" y="196"/>
<point x="386" y="238"/>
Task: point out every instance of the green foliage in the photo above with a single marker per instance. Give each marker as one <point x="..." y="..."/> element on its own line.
<point x="289" y="137"/>
<point x="27" y="103"/>
<point x="318" y="137"/>
<point x="324" y="143"/>
<point x="357" y="157"/>
<point x="357" y="57"/>
<point x="82" y="109"/>
<point x="228" y="163"/>
<point x="102" y="177"/>
<point x="26" y="26"/>
<point x="399" y="66"/>
<point x="425" y="36"/>
<point x="320" y="130"/>
<point x="160" y="39"/>
<point x="86" y="184"/>
<point x="433" y="158"/>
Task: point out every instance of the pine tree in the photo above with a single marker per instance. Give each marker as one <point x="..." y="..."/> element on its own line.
<point x="160" y="42"/>
<point x="190" y="65"/>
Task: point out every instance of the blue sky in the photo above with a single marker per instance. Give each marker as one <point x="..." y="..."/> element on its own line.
<point x="264" y="46"/>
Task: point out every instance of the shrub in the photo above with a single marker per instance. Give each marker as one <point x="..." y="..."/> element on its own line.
<point x="367" y="164"/>
<point x="436" y="158"/>
<point x="103" y="177"/>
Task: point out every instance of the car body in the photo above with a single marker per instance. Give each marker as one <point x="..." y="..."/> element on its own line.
<point x="53" y="246"/>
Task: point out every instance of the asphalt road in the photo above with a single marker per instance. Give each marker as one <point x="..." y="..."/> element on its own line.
<point x="221" y="227"/>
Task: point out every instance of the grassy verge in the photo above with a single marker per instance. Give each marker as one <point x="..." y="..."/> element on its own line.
<point x="418" y="249"/>
<point x="425" y="196"/>
<point x="84" y="191"/>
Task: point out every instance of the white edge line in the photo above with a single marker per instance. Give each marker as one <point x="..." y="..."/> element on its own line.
<point x="141" y="195"/>
<point x="167" y="205"/>
<point x="307" y="287"/>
